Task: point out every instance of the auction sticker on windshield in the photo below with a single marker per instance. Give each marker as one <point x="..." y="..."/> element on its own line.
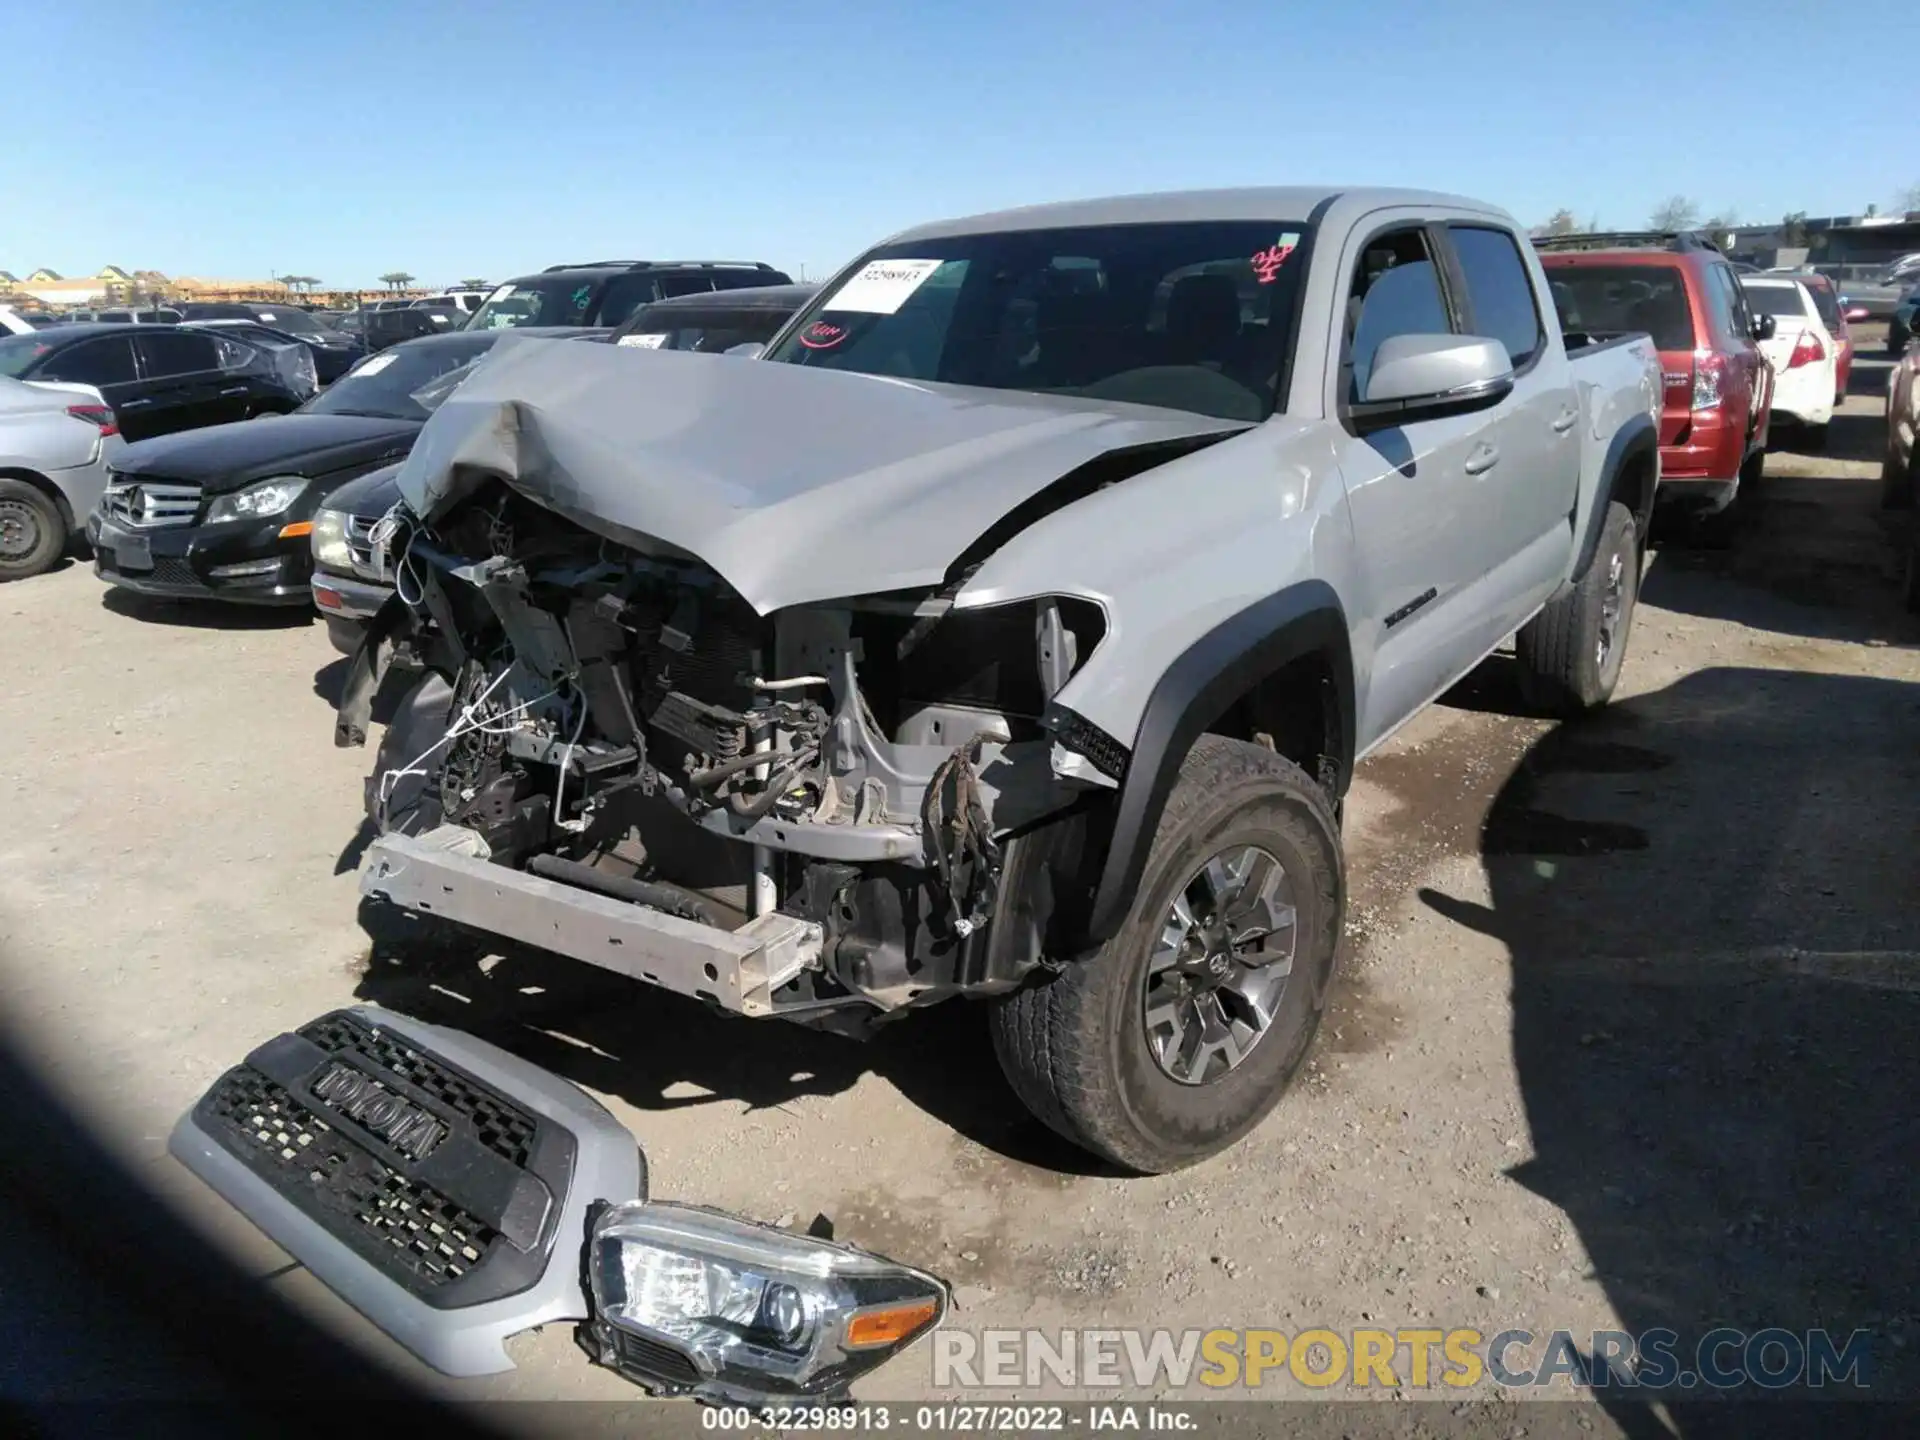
<point x="648" y="341"/>
<point x="882" y="286"/>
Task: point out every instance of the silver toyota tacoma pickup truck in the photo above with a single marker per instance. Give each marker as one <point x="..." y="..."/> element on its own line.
<point x="1009" y="629"/>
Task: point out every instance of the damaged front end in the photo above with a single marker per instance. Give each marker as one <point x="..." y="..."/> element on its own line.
<point x="708" y="702"/>
<point x="819" y="813"/>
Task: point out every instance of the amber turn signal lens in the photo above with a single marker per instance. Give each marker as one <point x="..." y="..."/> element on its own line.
<point x="889" y="1324"/>
<point x="296" y="530"/>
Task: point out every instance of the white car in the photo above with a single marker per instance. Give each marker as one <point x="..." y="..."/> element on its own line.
<point x="12" y="322"/>
<point x="57" y="442"/>
<point x="1804" y="354"/>
<point x="465" y="301"/>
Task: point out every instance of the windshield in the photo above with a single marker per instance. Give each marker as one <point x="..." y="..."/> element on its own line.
<point x="17" y="352"/>
<point x="404" y="383"/>
<point x="294" y="322"/>
<point x="1624" y="299"/>
<point x="1191" y="316"/>
<point x="676" y="327"/>
<point x="546" y="300"/>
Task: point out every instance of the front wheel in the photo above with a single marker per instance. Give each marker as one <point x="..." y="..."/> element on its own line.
<point x="1177" y="1036"/>
<point x="1571" y="652"/>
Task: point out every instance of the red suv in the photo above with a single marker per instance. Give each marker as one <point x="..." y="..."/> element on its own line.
<point x="1679" y="289"/>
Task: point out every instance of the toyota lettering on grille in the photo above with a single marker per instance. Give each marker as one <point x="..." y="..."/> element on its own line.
<point x="398" y="1121"/>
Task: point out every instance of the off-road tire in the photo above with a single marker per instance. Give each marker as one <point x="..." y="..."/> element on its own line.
<point x="1561" y="672"/>
<point x="411" y="804"/>
<point x="1075" y="1047"/>
<point x="39" y="519"/>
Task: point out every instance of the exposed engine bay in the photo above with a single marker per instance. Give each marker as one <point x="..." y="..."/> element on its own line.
<point x="867" y="774"/>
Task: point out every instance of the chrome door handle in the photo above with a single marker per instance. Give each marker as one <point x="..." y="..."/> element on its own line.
<point x="1566" y="422"/>
<point x="234" y="390"/>
<point x="134" y="404"/>
<point x="1482" y="460"/>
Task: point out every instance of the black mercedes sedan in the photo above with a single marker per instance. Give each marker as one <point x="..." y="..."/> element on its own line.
<point x="226" y="512"/>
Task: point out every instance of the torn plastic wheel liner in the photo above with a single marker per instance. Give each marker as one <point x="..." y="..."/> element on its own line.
<point x="456" y="1195"/>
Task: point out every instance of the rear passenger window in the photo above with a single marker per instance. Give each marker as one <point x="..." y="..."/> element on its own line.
<point x="1498" y="290"/>
<point x="1720" y="288"/>
<point x="1396" y="291"/>
<point x="96" y="362"/>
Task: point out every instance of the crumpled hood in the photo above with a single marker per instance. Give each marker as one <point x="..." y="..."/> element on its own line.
<point x="796" y="485"/>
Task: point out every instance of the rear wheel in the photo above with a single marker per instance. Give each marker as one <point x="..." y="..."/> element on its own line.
<point x="32" y="533"/>
<point x="1571" y="652"/>
<point x="1177" y="1036"/>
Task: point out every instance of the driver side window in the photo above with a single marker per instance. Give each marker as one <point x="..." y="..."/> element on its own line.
<point x="1396" y="290"/>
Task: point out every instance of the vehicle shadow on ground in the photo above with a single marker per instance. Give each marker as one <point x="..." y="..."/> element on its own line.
<point x="1716" y="1008"/>
<point x="1812" y="555"/>
<point x="661" y="1051"/>
<point x="205" y="614"/>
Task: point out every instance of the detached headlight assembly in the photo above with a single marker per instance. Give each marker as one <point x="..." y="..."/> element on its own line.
<point x="330" y="547"/>
<point x="693" y="1301"/>
<point x="257" y="502"/>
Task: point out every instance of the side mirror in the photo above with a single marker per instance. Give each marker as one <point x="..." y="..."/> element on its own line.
<point x="1422" y="377"/>
<point x="1764" y="326"/>
<point x="747" y="350"/>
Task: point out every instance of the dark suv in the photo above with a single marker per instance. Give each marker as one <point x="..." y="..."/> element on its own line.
<point x="607" y="292"/>
<point x="1681" y="290"/>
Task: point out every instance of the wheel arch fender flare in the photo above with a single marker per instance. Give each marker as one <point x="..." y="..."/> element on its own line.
<point x="1637" y="439"/>
<point x="1199" y="687"/>
<point x="27" y="475"/>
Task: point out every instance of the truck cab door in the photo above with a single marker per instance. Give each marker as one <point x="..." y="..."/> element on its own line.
<point x="1526" y="502"/>
<point x="1414" y="490"/>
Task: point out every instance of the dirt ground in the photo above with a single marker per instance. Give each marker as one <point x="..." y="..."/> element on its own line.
<point x="1626" y="1035"/>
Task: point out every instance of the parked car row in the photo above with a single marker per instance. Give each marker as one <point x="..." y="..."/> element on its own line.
<point x="1742" y="352"/>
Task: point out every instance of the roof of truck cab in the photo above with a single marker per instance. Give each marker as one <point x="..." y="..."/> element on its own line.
<point x="1291" y="202"/>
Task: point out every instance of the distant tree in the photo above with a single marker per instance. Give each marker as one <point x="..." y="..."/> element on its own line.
<point x="1561" y="222"/>
<point x="1908" y="200"/>
<point x="473" y="284"/>
<point x="301" y="282"/>
<point x="1721" y="219"/>
<point x="1677" y="212"/>
<point x="396" y="279"/>
<point x="1793" y="230"/>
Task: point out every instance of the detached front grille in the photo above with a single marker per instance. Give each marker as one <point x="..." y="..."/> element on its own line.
<point x="142" y="505"/>
<point x="416" y="1235"/>
<point x="501" y="1127"/>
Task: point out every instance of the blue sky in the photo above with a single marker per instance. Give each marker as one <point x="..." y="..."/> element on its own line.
<point x="355" y="137"/>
